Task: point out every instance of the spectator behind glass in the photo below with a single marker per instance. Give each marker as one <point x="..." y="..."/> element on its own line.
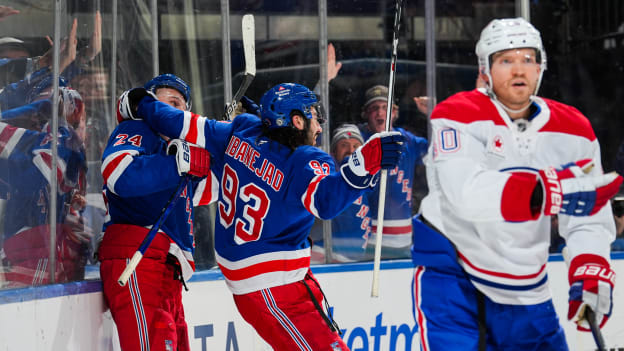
<point x="26" y="159"/>
<point x="14" y="60"/>
<point x="25" y="170"/>
<point x="397" y="231"/>
<point x="13" y="48"/>
<point x="92" y="84"/>
<point x="401" y="180"/>
<point x="15" y="94"/>
<point x="351" y="228"/>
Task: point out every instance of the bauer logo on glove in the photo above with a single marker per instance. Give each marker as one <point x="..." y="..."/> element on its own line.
<point x="381" y="151"/>
<point x="355" y="160"/>
<point x="591" y="285"/>
<point x="190" y="159"/>
<point x="574" y="191"/>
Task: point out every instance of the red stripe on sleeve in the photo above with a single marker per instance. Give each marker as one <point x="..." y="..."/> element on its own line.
<point x="111" y="166"/>
<point x="311" y="191"/>
<point x="191" y="136"/>
<point x="5" y="135"/>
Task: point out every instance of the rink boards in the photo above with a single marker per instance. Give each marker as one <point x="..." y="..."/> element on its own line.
<point x="73" y="316"/>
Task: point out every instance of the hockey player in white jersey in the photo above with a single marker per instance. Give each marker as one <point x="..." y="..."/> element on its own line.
<point x="502" y="161"/>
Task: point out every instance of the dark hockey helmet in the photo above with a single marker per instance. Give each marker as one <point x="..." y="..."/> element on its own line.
<point x="169" y="80"/>
<point x="278" y="104"/>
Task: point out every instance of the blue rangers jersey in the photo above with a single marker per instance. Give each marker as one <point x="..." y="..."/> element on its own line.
<point x="268" y="197"/>
<point x="139" y="179"/>
<point x="351" y="230"/>
<point x="25" y="171"/>
<point x="474" y="150"/>
<point x="397" y="231"/>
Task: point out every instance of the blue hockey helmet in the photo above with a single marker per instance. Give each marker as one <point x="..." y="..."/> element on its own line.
<point x="169" y="80"/>
<point x="277" y="104"/>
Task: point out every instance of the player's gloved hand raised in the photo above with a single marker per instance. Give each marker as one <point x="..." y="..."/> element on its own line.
<point x="591" y="285"/>
<point x="382" y="150"/>
<point x="574" y="191"/>
<point x="190" y="158"/>
<point x="128" y="103"/>
<point x="250" y="106"/>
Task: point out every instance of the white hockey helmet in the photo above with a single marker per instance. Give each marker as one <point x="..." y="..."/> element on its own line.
<point x="505" y="34"/>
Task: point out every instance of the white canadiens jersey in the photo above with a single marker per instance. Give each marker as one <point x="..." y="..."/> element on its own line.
<point x="475" y="147"/>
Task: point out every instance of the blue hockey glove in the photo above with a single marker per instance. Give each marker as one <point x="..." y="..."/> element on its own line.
<point x="128" y="103"/>
<point x="382" y="150"/>
<point x="250" y="106"/>
<point x="591" y="285"/>
<point x="191" y="159"/>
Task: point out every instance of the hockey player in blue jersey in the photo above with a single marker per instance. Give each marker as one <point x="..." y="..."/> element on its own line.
<point x="502" y="161"/>
<point x="273" y="183"/>
<point x="397" y="230"/>
<point x="351" y="228"/>
<point x="25" y="168"/>
<point x="141" y="171"/>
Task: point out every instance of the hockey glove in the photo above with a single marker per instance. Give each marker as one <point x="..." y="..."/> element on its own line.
<point x="128" y="103"/>
<point x="191" y="159"/>
<point x="591" y="285"/>
<point x="382" y="150"/>
<point x="250" y="106"/>
<point x="573" y="191"/>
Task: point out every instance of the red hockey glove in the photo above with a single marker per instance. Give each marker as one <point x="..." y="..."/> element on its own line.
<point x="191" y="159"/>
<point x="573" y="191"/>
<point x="382" y="150"/>
<point x="591" y="285"/>
<point x="128" y="103"/>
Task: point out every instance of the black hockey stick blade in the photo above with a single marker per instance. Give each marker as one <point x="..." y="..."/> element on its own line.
<point x="595" y="329"/>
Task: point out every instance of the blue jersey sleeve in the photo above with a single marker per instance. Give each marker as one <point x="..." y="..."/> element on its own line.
<point x="134" y="162"/>
<point x="324" y="191"/>
<point x="417" y="145"/>
<point x="207" y="133"/>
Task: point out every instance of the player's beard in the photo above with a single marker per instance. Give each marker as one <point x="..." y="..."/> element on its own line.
<point x="311" y="137"/>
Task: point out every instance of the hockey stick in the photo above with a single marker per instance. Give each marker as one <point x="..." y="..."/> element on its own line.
<point x="589" y="315"/>
<point x="595" y="328"/>
<point x="138" y="255"/>
<point x="249" y="49"/>
<point x="384" y="173"/>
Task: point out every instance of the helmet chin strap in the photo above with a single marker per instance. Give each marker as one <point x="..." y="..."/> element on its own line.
<point x="511" y="110"/>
